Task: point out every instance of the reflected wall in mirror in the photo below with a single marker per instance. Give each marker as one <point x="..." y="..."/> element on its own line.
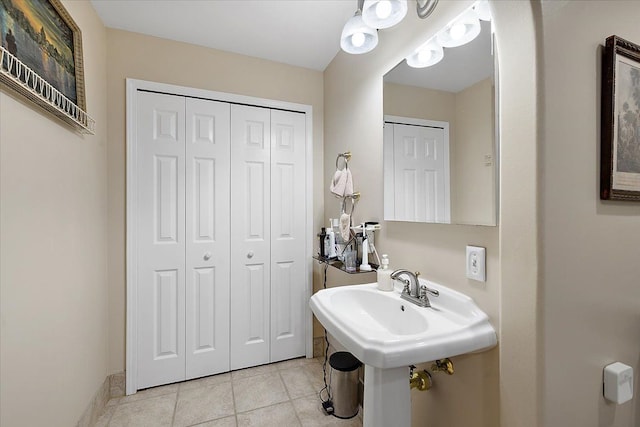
<point x="440" y="138"/>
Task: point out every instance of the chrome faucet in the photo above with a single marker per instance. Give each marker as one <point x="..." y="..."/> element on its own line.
<point x="419" y="294"/>
<point x="413" y="278"/>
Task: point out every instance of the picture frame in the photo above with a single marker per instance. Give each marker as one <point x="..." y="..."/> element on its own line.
<point x="620" y="121"/>
<point x="42" y="55"/>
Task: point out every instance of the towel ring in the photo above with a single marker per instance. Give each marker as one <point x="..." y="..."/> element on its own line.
<point x="353" y="203"/>
<point x="346" y="156"/>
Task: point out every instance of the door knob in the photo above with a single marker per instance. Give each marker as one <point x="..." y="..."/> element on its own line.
<point x="207" y="256"/>
<point x="250" y="254"/>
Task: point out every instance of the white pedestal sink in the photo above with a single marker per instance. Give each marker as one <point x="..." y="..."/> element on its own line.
<point x="388" y="334"/>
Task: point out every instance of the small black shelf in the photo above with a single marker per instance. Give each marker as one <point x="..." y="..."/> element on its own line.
<point x="336" y="263"/>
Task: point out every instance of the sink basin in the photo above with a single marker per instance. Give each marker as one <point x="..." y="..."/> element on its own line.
<point x="385" y="331"/>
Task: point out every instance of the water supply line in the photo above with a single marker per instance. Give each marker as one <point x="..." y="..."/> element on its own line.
<point x="420" y="379"/>
<point x="443" y="365"/>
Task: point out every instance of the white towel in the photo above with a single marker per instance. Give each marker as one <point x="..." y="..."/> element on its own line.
<point x="345" y="222"/>
<point x="348" y="188"/>
<point x="342" y="183"/>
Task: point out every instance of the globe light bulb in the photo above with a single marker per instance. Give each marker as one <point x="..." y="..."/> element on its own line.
<point x="357" y="39"/>
<point x="424" y="56"/>
<point x="383" y="9"/>
<point x="427" y="55"/>
<point x="382" y="14"/>
<point x="457" y="31"/>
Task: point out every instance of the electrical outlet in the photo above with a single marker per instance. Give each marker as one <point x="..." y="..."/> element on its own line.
<point x="476" y="263"/>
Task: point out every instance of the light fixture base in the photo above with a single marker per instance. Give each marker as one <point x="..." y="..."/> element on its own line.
<point x="424" y="8"/>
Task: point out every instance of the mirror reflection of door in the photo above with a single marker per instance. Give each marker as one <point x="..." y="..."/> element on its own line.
<point x="421" y="182"/>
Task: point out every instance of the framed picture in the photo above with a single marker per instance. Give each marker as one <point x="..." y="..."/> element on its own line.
<point x="41" y="35"/>
<point x="620" y="127"/>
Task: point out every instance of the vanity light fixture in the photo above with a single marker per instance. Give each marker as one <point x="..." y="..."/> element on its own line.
<point x="357" y="37"/>
<point x="461" y="31"/>
<point x="383" y="13"/>
<point x="426" y="55"/>
<point x="360" y="35"/>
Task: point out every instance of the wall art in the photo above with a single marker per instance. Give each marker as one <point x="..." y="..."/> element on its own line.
<point x="620" y="126"/>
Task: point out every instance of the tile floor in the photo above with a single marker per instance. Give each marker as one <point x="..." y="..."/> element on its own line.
<point x="283" y="394"/>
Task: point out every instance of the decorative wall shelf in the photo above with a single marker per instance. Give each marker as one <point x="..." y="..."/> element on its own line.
<point x="22" y="79"/>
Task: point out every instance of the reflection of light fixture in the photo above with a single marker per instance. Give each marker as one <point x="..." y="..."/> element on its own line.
<point x="357" y="37"/>
<point x="383" y="13"/>
<point x="461" y="31"/>
<point x="426" y="55"/>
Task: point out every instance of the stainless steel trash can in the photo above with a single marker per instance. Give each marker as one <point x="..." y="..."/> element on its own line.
<point x="344" y="384"/>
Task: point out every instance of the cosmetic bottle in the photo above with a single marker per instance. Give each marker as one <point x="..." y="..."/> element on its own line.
<point x="322" y="243"/>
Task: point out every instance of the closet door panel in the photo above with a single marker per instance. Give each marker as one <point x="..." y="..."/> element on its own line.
<point x="288" y="212"/>
<point x="207" y="242"/>
<point x="161" y="244"/>
<point x="250" y="235"/>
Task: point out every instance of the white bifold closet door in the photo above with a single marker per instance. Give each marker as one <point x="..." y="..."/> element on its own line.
<point x="183" y="222"/>
<point x="267" y="239"/>
<point x="207" y="236"/>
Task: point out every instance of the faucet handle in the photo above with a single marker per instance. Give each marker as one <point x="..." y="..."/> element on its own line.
<point x="424" y="290"/>
<point x="417" y="273"/>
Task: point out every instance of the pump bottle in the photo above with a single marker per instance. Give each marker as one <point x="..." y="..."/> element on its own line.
<point x="385" y="282"/>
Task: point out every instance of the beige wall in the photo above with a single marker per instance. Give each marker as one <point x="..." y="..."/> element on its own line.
<point x="521" y="361"/>
<point x="53" y="259"/>
<point x="353" y="121"/>
<point x="473" y="182"/>
<point x="420" y="103"/>
<point x="590" y="247"/>
<point x="148" y="58"/>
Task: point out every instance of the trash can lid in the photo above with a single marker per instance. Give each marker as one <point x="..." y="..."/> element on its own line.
<point x="344" y="361"/>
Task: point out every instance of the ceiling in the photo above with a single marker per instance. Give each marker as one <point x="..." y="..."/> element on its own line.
<point x="305" y="33"/>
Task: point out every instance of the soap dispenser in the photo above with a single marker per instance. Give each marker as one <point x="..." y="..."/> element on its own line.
<point x="385" y="282"/>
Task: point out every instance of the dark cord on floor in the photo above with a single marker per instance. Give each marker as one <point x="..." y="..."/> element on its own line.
<point x="327" y="403"/>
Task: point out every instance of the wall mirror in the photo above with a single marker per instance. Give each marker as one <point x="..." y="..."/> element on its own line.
<point x="440" y="137"/>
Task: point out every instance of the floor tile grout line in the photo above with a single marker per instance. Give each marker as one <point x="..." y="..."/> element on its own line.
<point x="290" y="401"/>
<point x="175" y="406"/>
<point x="233" y="398"/>
<point x="284" y="383"/>
<point x="295" y="411"/>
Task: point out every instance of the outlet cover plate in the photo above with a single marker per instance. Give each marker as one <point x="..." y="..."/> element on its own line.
<point x="476" y="263"/>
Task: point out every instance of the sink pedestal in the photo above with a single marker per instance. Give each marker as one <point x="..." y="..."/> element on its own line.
<point x="387" y="401"/>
